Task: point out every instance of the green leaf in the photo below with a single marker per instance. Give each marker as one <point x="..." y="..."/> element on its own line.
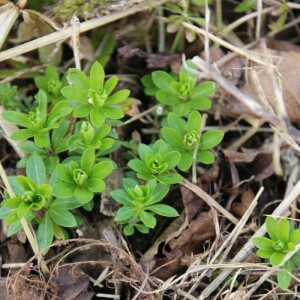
<point x="16" y="118"/>
<point x="23" y="209"/>
<point x="163" y="210"/>
<point x="142" y="228"/>
<point x="62" y="217"/>
<point x="263" y="243"/>
<point x="64" y="173"/>
<point x="295" y="236"/>
<point x="160" y="192"/>
<point x="210" y="139"/>
<point x="124" y="213"/>
<point x="96" y="76"/>
<point x="97" y="117"/>
<point x="65" y="203"/>
<point x="200" y="104"/>
<point x="22" y="134"/>
<point x="283" y="230"/>
<point x="128" y="230"/>
<point x="143" y="150"/>
<point x="87" y="160"/>
<point x="283" y="278"/>
<point x="42" y="139"/>
<point x="204" y="90"/>
<point x="129" y="183"/>
<point x="182" y="109"/>
<point x="172" y="137"/>
<point x="26" y="183"/>
<point x="271" y="225"/>
<point x="177" y="123"/>
<point x="186" y="161"/>
<point x="162" y="80"/>
<point x="5" y="211"/>
<point x="101" y="169"/>
<point x="45" y="233"/>
<point x="264" y="254"/>
<point x="169" y="178"/>
<point x="113" y="112"/>
<point x="35" y="169"/>
<point x="138" y="166"/>
<point x="194" y="122"/>
<point x="82" y="110"/>
<point x="83" y="194"/>
<point x="75" y="93"/>
<point x="64" y="189"/>
<point x="78" y="78"/>
<point x="117" y="97"/>
<point x="150" y="87"/>
<point x="172" y="158"/>
<point x="13" y="203"/>
<point x="110" y="84"/>
<point x="122" y="197"/>
<point x="166" y="97"/>
<point x="148" y="219"/>
<point x="95" y="185"/>
<point x="276" y="258"/>
<point x="245" y="5"/>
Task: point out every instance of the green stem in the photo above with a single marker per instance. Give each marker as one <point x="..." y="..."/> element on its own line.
<point x="177" y="40"/>
<point x="219" y="21"/>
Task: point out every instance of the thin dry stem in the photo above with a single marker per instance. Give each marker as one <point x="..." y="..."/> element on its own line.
<point x="209" y="200"/>
<point x="279" y="211"/>
<point x="67" y="33"/>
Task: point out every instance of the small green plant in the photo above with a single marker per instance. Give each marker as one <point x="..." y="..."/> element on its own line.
<point x="184" y="137"/>
<point x="50" y="154"/>
<point x="93" y="95"/>
<point x="181" y="94"/>
<point x="9" y="96"/>
<point x="89" y="137"/>
<point x="38" y="122"/>
<point x="51" y="84"/>
<point x="84" y="180"/>
<point x="283" y="239"/>
<point x="157" y="163"/>
<point x="140" y="203"/>
<point x="35" y="202"/>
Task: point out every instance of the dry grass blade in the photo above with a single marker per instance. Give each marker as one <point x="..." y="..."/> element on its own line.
<point x="279" y="211"/>
<point x="67" y="33"/>
<point x="209" y="200"/>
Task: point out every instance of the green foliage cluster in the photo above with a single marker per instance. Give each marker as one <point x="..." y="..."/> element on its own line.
<point x="69" y="133"/>
<point x="283" y="239"/>
<point x="9" y="96"/>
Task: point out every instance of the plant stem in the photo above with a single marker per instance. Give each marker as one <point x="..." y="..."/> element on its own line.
<point x="177" y="40"/>
<point x="161" y="31"/>
<point x="219" y="14"/>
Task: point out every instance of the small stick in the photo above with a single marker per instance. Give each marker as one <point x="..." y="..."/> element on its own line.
<point x="209" y="200"/>
<point x="67" y="33"/>
<point x="76" y="41"/>
<point x="194" y="166"/>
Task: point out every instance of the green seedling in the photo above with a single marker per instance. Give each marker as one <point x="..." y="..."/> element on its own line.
<point x="156" y="162"/>
<point x="89" y="137"/>
<point x="50" y="154"/>
<point x="51" y="84"/>
<point x="38" y="122"/>
<point x="140" y="203"/>
<point x="84" y="180"/>
<point x="94" y="95"/>
<point x="184" y="137"/>
<point x="283" y="239"/>
<point x="34" y="201"/>
<point x="181" y="94"/>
